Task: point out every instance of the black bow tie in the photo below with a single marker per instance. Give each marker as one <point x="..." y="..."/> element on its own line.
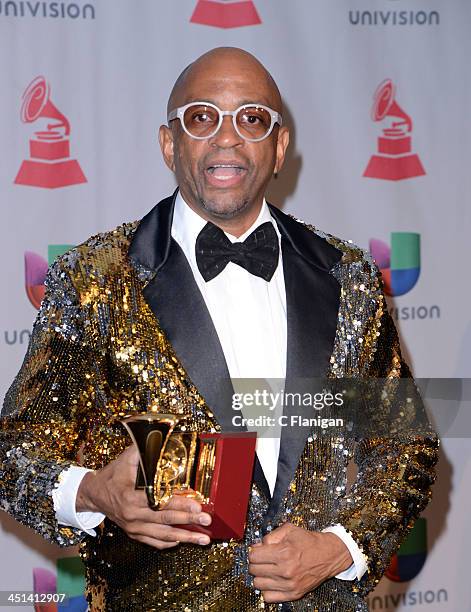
<point x="258" y="253"/>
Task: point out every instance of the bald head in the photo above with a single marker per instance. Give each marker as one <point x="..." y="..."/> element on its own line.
<point x="223" y="177"/>
<point x="221" y="65"/>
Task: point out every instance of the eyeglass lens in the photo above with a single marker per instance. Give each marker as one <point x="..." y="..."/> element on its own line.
<point x="202" y="121"/>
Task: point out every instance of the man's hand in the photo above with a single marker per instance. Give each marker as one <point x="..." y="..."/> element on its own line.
<point x="290" y="561"/>
<point x="111" y="491"/>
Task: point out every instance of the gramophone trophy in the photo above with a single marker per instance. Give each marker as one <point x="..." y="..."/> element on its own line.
<point x="394" y="160"/>
<point x="214" y="468"/>
<point x="225" y="13"/>
<point x="49" y="165"/>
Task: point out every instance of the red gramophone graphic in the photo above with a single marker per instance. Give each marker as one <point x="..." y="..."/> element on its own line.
<point x="226" y="13"/>
<point x="394" y="160"/>
<point x="49" y="165"/>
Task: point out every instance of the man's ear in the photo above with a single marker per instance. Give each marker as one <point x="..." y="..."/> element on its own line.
<point x="166" y="146"/>
<point x="281" y="146"/>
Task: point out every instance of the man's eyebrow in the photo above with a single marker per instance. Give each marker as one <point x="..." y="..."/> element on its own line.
<point x="253" y="101"/>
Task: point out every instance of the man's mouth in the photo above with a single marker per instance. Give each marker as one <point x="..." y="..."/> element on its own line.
<point x="225" y="174"/>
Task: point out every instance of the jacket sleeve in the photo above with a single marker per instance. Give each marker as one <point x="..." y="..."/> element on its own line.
<point x="396" y="452"/>
<point x="44" y="413"/>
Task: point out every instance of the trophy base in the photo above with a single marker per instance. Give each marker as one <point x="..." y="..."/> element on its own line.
<point x="394" y="168"/>
<point x="219" y="15"/>
<point x="183" y="492"/>
<point x="35" y="173"/>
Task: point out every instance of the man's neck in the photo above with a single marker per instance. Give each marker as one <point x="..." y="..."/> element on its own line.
<point x="237" y="225"/>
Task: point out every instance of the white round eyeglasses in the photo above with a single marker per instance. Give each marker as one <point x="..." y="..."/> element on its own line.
<point x="252" y="122"/>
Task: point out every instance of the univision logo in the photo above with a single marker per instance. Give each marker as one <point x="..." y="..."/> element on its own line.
<point x="36" y="270"/>
<point x="386" y="17"/>
<point x="51" y="10"/>
<point x="69" y="581"/>
<point x="410" y="558"/>
<point x="399" y="263"/>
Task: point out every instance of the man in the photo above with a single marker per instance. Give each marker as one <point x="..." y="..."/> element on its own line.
<point x="160" y="315"/>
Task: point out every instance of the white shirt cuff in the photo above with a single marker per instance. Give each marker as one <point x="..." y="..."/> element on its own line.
<point x="359" y="566"/>
<point x="64" y="497"/>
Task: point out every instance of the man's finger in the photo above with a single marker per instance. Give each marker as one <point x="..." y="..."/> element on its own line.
<point x="278" y="596"/>
<point x="138" y="498"/>
<point x="180" y="517"/>
<point x="278" y="534"/>
<point x="130" y="455"/>
<point x="179" y="502"/>
<point x="171" y="534"/>
<point x="272" y="584"/>
<point x="266" y="553"/>
<point x="265" y="570"/>
<point x="176" y="512"/>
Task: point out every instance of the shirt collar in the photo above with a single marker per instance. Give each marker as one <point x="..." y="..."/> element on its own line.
<point x="187" y="224"/>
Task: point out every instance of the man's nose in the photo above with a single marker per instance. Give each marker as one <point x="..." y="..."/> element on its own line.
<point x="226" y="136"/>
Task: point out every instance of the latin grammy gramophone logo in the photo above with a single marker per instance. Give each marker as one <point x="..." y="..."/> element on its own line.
<point x="226" y="13"/>
<point x="49" y="165"/>
<point x="394" y="160"/>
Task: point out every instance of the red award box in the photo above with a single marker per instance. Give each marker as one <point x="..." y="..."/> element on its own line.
<point x="214" y="468"/>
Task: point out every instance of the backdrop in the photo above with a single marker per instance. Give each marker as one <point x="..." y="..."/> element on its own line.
<point x="377" y="93"/>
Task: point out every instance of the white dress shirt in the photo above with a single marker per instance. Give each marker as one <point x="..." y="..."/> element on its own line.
<point x="249" y="315"/>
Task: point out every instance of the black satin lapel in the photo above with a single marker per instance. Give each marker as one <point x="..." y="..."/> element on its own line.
<point x="310" y="246"/>
<point x="150" y="244"/>
<point x="259" y="478"/>
<point x="312" y="302"/>
<point x="176" y="301"/>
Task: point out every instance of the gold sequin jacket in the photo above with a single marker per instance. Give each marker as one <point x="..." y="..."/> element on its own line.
<point x="123" y="329"/>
